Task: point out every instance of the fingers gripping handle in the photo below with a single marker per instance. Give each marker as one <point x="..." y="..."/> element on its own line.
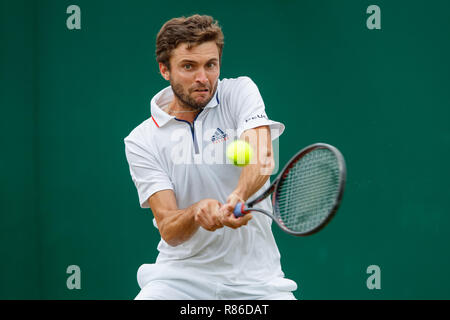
<point x="239" y="210"/>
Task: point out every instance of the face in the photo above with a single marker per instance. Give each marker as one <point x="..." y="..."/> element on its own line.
<point x="193" y="74"/>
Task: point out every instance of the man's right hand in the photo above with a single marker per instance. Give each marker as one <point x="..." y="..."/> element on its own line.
<point x="208" y="215"/>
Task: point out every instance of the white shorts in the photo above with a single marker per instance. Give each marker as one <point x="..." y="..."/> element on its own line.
<point x="178" y="286"/>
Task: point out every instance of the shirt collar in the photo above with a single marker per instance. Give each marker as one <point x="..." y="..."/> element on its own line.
<point x="164" y="97"/>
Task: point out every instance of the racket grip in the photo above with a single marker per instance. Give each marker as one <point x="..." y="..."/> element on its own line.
<point x="239" y="210"/>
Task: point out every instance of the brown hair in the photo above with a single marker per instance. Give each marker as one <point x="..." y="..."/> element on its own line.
<point x="192" y="30"/>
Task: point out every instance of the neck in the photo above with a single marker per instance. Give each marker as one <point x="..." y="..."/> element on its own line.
<point x="181" y="112"/>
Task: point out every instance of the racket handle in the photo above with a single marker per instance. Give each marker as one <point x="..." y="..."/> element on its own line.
<point x="239" y="210"/>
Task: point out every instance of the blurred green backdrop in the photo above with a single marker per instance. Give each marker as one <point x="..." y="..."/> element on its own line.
<point x="69" y="97"/>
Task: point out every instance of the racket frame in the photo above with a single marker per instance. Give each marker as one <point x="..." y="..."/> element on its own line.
<point x="274" y="187"/>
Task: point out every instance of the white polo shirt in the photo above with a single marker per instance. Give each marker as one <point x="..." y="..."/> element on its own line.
<point x="166" y="153"/>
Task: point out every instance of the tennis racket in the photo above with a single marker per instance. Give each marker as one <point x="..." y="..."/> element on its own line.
<point x="307" y="193"/>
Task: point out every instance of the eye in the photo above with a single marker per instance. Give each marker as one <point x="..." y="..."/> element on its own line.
<point x="211" y="65"/>
<point x="187" y="66"/>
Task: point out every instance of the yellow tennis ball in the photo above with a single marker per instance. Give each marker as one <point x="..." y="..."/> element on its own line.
<point x="240" y="153"/>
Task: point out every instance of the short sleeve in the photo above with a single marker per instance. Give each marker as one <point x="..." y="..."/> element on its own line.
<point x="250" y="109"/>
<point x="146" y="172"/>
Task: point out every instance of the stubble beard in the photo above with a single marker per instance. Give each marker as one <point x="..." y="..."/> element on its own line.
<point x="186" y="100"/>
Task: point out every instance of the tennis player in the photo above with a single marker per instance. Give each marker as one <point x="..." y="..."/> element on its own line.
<point x="177" y="166"/>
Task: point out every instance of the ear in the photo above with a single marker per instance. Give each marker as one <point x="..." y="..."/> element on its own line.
<point x="164" y="71"/>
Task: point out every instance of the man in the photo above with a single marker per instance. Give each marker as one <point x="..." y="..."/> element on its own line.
<point x="176" y="163"/>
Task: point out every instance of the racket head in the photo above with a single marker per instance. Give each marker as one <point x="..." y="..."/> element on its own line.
<point x="309" y="189"/>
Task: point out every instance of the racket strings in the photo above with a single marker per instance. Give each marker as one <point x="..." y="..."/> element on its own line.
<point x="309" y="191"/>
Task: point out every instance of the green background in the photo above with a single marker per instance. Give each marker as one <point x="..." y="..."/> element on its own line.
<point x="69" y="97"/>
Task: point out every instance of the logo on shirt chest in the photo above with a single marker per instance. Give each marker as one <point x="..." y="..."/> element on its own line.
<point x="219" y="136"/>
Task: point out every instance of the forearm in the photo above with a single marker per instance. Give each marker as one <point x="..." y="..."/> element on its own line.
<point x="178" y="226"/>
<point x="253" y="177"/>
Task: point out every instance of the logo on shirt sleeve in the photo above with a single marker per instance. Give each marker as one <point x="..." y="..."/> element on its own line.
<point x="258" y="116"/>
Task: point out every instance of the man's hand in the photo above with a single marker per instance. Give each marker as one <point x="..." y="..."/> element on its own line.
<point x="227" y="216"/>
<point x="208" y="215"/>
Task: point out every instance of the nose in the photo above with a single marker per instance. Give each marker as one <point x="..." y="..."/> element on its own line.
<point x="201" y="76"/>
